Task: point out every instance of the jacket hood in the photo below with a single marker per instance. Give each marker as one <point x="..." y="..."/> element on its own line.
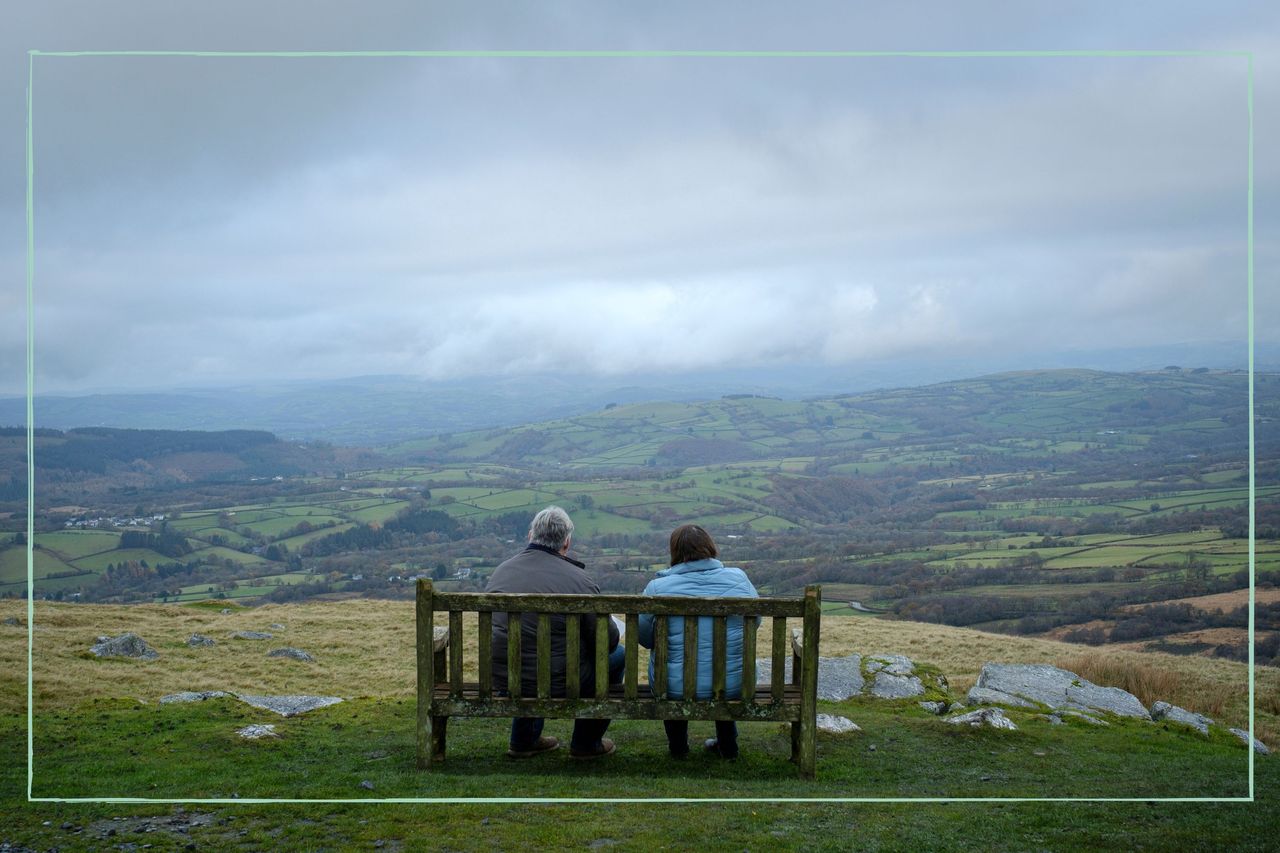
<point x="693" y="566"/>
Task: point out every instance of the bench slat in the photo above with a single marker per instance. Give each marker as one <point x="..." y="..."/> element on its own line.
<point x="631" y="639"/>
<point x="514" y="626"/>
<point x="719" y="646"/>
<point x="615" y="706"/>
<point x="455" y="650"/>
<point x="544" y="655"/>
<point x="602" y="655"/>
<point x="690" y="657"/>
<point x="749" y="658"/>
<point x="676" y="605"/>
<point x="572" y="655"/>
<point x="779" y="651"/>
<point x="660" y="641"/>
<point x="485" y="662"/>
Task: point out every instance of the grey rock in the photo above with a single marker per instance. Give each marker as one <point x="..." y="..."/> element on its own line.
<point x="838" y="678"/>
<point x="128" y="645"/>
<point x="190" y="696"/>
<point x="200" y="640"/>
<point x="250" y="635"/>
<point x="1081" y="715"/>
<point x="367" y="785"/>
<point x="225" y="610"/>
<point x="992" y="717"/>
<point x="1174" y="714"/>
<point x="836" y="725"/>
<point x="934" y="707"/>
<point x="1051" y="719"/>
<point x="892" y="664"/>
<point x="275" y="626"/>
<point x="296" y="654"/>
<point x="890" y="686"/>
<point x="1258" y="746"/>
<point x="12" y="620"/>
<point x="983" y="696"/>
<point x="289" y="706"/>
<point x="257" y="731"/>
<point x="1051" y="686"/>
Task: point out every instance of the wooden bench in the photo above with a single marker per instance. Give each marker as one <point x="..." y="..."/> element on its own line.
<point x="442" y="693"/>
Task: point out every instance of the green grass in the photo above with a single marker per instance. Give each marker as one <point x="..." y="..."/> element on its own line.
<point x="73" y="544"/>
<point x="188" y="750"/>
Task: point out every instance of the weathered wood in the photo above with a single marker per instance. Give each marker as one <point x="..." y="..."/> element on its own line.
<point x="588" y="604"/>
<point x="690" y="657"/>
<point x="602" y="655"/>
<point x="749" y="659"/>
<point x="455" y="649"/>
<point x="485" y="643"/>
<point x="719" y="646"/>
<point x="631" y="677"/>
<point x="544" y="655"/>
<point x="573" y="655"/>
<point x="441" y="694"/>
<point x="426" y="669"/>
<point x="809" y="686"/>
<point x="777" y="652"/>
<point x="615" y="706"/>
<point x="514" y="670"/>
<point x="660" y="655"/>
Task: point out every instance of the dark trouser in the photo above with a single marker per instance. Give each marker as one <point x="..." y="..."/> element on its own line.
<point x="726" y="737"/>
<point x="525" y="731"/>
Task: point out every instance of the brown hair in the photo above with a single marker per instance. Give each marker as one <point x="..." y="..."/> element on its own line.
<point x="690" y="542"/>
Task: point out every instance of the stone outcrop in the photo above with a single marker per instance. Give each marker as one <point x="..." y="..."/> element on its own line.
<point x="191" y="696"/>
<point x="128" y="645"/>
<point x="934" y="707"/>
<point x="287" y="652"/>
<point x="251" y="635"/>
<point x="275" y="626"/>
<point x="1258" y="746"/>
<point x="893" y="677"/>
<point x="200" y="640"/>
<point x="838" y="678"/>
<point x="1029" y="685"/>
<point x="289" y="706"/>
<point x="257" y="731"/>
<point x="1174" y="714"/>
<point x="836" y="725"/>
<point x="989" y="717"/>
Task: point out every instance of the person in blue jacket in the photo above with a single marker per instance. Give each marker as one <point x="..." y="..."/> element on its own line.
<point x="695" y="571"/>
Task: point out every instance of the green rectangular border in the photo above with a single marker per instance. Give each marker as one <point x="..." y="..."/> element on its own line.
<point x="628" y="54"/>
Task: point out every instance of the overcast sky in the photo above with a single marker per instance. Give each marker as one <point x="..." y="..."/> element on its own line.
<point x="207" y="220"/>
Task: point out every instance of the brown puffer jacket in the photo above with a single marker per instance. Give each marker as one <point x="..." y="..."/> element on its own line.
<point x="539" y="569"/>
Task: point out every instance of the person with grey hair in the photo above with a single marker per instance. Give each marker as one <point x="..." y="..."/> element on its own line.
<point x="544" y="566"/>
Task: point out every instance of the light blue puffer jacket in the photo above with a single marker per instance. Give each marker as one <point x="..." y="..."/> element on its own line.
<point x="709" y="579"/>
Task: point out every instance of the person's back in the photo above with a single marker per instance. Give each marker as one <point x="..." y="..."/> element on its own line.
<point x="695" y="571"/>
<point x="545" y="567"/>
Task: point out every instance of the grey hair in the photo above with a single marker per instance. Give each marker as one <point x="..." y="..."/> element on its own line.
<point x="552" y="527"/>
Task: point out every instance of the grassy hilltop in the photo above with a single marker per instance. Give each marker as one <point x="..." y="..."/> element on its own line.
<point x="100" y="732"/>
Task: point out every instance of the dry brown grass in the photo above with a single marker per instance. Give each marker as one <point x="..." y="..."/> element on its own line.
<point x="1148" y="682"/>
<point x="366" y="648"/>
<point x="1224" y="601"/>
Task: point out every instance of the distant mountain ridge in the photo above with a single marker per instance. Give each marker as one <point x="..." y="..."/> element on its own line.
<point x="377" y="410"/>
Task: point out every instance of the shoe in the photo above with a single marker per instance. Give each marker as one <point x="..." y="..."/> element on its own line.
<point x="544" y="744"/>
<point x="605" y="747"/>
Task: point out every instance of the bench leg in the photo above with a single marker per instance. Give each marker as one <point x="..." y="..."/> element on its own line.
<point x="438" y="726"/>
<point x="804" y="747"/>
<point x="795" y="742"/>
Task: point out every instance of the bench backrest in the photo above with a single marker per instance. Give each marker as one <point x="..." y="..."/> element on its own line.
<point x="574" y="607"/>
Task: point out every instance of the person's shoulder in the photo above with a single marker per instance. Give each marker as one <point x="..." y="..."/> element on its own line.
<point x="740" y="577"/>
